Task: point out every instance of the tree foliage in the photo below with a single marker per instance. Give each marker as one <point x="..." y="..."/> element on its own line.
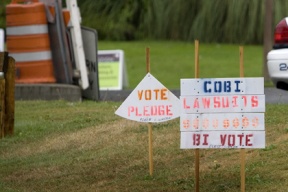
<point x="229" y="21"/>
<point x="223" y="21"/>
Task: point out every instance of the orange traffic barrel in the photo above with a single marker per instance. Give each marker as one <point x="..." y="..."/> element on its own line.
<point x="28" y="42"/>
<point x="66" y="16"/>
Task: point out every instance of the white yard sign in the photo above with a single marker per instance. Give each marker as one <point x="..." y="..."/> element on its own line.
<point x="150" y="101"/>
<point x="222" y="113"/>
<point x="222" y="103"/>
<point x="223" y="139"/>
<point x="222" y="122"/>
<point x="222" y="86"/>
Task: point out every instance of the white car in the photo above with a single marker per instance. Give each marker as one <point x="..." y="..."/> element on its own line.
<point x="277" y="59"/>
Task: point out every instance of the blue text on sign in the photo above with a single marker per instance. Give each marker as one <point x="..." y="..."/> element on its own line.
<point x="221" y="86"/>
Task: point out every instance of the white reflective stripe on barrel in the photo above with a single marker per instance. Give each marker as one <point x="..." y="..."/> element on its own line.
<point x="27" y="30"/>
<point x="31" y="56"/>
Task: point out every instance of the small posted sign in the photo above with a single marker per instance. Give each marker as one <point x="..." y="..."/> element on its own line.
<point x="150" y="102"/>
<point x="112" y="70"/>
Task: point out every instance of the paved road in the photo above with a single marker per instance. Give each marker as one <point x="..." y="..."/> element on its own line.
<point x="272" y="95"/>
<point x="73" y="93"/>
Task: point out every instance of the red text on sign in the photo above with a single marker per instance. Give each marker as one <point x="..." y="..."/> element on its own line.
<point x="221" y="102"/>
<point x="235" y="123"/>
<point x="200" y="139"/>
<point x="230" y="140"/>
<point x="153" y="110"/>
<point x="233" y="140"/>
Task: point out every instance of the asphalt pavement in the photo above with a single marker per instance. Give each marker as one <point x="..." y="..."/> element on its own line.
<point x="273" y="95"/>
<point x="73" y="93"/>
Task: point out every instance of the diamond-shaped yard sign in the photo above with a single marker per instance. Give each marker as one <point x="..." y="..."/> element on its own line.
<point x="149" y="102"/>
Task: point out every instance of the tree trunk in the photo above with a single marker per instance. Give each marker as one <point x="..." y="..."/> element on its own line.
<point x="268" y="28"/>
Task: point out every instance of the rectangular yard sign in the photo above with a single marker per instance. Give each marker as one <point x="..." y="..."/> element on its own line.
<point x="222" y="113"/>
<point x="112" y="70"/>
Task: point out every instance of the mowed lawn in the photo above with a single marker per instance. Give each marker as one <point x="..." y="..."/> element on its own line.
<point x="171" y="61"/>
<point x="84" y="146"/>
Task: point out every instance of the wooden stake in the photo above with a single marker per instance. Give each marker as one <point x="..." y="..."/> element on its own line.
<point x="148" y="59"/>
<point x="242" y="151"/>
<point x="241" y="52"/>
<point x="149" y="124"/>
<point x="196" y="150"/>
<point x="9" y="74"/>
<point x="2" y="106"/>
<point x="150" y="149"/>
<point x="3" y="61"/>
<point x="196" y="59"/>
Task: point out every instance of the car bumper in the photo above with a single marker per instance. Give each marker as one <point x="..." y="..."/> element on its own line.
<point x="277" y="63"/>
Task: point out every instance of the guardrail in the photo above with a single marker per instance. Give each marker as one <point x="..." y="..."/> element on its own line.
<point x="7" y="94"/>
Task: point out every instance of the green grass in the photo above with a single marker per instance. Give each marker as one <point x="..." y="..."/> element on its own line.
<point x="171" y="61"/>
<point x="67" y="146"/>
<point x="64" y="146"/>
